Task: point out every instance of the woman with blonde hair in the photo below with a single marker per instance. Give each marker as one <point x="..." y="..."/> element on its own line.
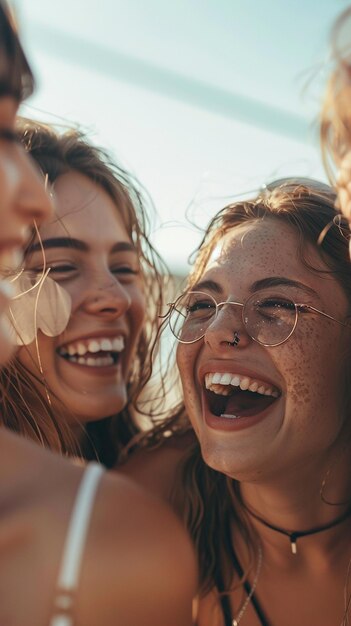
<point x="77" y="547"/>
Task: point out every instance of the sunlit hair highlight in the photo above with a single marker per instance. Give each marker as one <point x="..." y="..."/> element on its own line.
<point x="307" y="205"/>
<point x="335" y="115"/>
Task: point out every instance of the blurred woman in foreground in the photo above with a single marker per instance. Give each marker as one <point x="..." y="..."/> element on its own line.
<point x="136" y="565"/>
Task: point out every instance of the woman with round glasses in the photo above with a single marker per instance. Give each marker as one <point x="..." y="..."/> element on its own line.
<point x="264" y="332"/>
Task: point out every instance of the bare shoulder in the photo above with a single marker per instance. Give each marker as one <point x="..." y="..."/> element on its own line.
<point x="156" y="469"/>
<point x="139" y="565"/>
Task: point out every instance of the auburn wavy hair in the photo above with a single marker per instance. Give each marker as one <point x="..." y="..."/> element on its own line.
<point x="209" y="501"/>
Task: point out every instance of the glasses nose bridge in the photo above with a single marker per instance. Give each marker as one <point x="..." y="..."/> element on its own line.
<point x="232" y="306"/>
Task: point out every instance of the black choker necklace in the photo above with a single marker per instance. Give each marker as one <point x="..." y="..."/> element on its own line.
<point x="295" y="535"/>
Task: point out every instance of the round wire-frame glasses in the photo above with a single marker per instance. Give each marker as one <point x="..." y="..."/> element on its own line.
<point x="270" y="320"/>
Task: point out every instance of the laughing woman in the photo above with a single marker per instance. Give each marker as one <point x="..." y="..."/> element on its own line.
<point x="264" y="355"/>
<point x="86" y="360"/>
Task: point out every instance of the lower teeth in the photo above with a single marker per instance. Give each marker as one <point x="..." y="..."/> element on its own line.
<point x="230" y="417"/>
<point x="91" y="362"/>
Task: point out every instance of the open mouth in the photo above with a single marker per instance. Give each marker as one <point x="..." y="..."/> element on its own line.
<point x="93" y="352"/>
<point x="234" y="396"/>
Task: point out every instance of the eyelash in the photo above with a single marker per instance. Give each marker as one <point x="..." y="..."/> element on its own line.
<point x="57" y="269"/>
<point x="61" y="268"/>
<point x="125" y="270"/>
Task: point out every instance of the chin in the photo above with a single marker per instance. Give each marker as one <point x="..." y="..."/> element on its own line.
<point x="95" y="407"/>
<point x="99" y="414"/>
<point x="78" y="406"/>
<point x="239" y="464"/>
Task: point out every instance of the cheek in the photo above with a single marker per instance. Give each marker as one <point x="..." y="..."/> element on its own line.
<point x="38" y="355"/>
<point x="186" y="357"/>
<point x="138" y="308"/>
<point x="8" y="182"/>
<point x="76" y="288"/>
<point x="312" y="368"/>
<point x="184" y="363"/>
<point x="6" y="347"/>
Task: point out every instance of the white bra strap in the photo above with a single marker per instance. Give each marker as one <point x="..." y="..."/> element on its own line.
<point x="74" y="546"/>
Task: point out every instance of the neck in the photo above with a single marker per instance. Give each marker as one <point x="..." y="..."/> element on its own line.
<point x="296" y="506"/>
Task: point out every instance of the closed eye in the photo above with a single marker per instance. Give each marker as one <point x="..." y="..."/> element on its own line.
<point x="125" y="273"/>
<point x="271" y="303"/>
<point x="124" y="270"/>
<point x="200" y="306"/>
<point x="274" y="309"/>
<point x="62" y="268"/>
<point x="56" y="269"/>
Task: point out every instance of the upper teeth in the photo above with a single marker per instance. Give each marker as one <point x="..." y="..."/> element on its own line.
<point x="101" y="344"/>
<point x="220" y="383"/>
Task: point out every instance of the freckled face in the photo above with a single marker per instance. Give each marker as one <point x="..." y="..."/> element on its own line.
<point x="91" y="256"/>
<point x="303" y="423"/>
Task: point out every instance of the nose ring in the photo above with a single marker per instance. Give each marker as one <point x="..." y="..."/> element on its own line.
<point x="235" y="341"/>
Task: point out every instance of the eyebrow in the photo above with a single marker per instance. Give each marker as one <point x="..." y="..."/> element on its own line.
<point x="281" y="281"/>
<point x="77" y="244"/>
<point x="207" y="284"/>
<point x="271" y="281"/>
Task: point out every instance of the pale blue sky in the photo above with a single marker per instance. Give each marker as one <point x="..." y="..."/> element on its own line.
<point x="201" y="99"/>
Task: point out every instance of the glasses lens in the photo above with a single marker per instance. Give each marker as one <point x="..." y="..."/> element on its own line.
<point x="191" y="316"/>
<point x="270" y="319"/>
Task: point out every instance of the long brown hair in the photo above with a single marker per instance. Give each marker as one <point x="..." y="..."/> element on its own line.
<point x="57" y="153"/>
<point x="209" y="500"/>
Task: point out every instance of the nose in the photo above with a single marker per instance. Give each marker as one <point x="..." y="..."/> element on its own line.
<point x="32" y="200"/>
<point x="227" y="331"/>
<point x="107" y="299"/>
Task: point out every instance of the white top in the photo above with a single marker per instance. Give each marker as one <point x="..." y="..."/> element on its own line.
<point x="68" y="578"/>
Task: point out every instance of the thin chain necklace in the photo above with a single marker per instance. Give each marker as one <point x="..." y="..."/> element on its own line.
<point x="237" y="619"/>
<point x="295" y="535"/>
